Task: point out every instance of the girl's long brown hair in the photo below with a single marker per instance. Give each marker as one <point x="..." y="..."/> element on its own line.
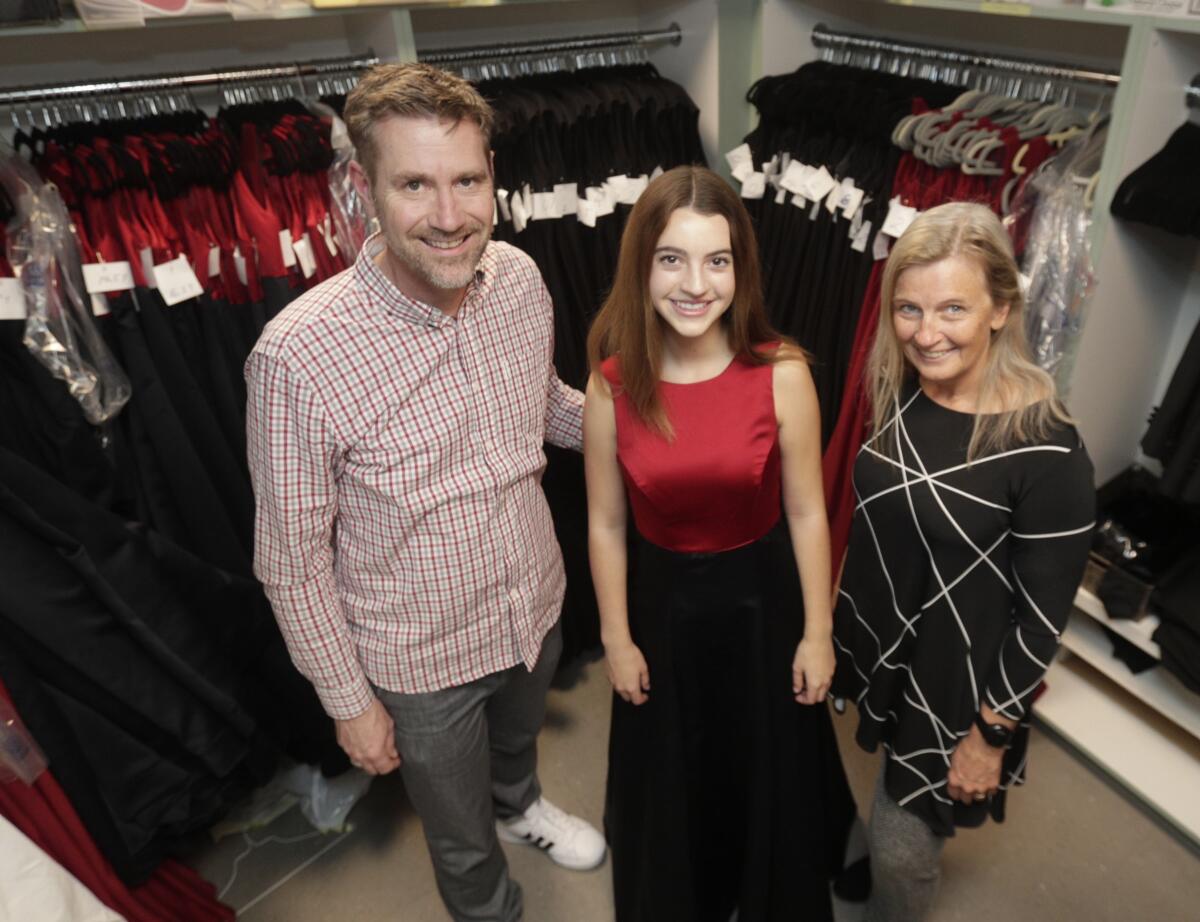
<point x="628" y="325"/>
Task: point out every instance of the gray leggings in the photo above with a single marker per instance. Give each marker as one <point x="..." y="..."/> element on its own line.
<point x="906" y="858"/>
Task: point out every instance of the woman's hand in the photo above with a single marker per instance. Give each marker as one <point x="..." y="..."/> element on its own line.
<point x="812" y="669"/>
<point x="974" y="769"/>
<point x="628" y="673"/>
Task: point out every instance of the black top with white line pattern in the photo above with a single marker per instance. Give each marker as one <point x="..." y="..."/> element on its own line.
<point x="957" y="584"/>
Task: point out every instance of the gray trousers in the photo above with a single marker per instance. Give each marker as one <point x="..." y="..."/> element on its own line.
<point x="906" y="861"/>
<point x="469" y="754"/>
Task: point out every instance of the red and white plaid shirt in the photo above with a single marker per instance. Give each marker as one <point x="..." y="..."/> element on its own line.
<point x="402" y="534"/>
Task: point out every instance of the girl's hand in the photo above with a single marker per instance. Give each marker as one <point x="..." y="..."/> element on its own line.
<point x="628" y="673"/>
<point x="812" y="670"/>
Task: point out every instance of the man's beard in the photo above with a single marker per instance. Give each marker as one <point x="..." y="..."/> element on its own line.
<point x="441" y="273"/>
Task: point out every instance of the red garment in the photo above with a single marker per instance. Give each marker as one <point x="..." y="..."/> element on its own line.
<point x="716" y="484"/>
<point x="43" y="813"/>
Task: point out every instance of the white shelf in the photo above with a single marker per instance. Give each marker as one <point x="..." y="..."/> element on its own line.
<point x="1153" y="758"/>
<point x="1157" y="687"/>
<point x="1138" y="632"/>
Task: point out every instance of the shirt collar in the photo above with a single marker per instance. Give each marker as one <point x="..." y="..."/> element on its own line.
<point x="411" y="309"/>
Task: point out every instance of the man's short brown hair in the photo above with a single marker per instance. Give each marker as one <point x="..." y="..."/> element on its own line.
<point x="410" y="90"/>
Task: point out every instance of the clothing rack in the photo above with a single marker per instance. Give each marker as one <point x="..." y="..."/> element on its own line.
<point x="671" y="35"/>
<point x="957" y="65"/>
<point x="172" y="82"/>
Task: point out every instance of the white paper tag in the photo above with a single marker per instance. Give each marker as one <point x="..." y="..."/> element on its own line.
<point x="176" y="281"/>
<point x="832" y="199"/>
<point x="794" y="177"/>
<point x="815" y="210"/>
<point x="898" y="219"/>
<point x="741" y="161"/>
<point x="851" y="198"/>
<point x="214" y="261"/>
<point x="100" y="306"/>
<point x="12" y="300"/>
<point x="781" y="196"/>
<point x="146" y="255"/>
<point x="754" y="186"/>
<point x="99" y="278"/>
<point x="586" y="212"/>
<point x="799" y="201"/>
<point x="601" y="198"/>
<point x="287" y="248"/>
<point x="856" y="222"/>
<point x="326" y="230"/>
<point x="502" y="201"/>
<point x="637" y="186"/>
<point x="567" y="194"/>
<point x="655" y="173"/>
<point x="771" y="169"/>
<point x="882" y="246"/>
<point x="520" y="215"/>
<point x="859" y="242"/>
<point x="304" y="253"/>
<point x="624" y="190"/>
<point x="545" y="206"/>
<point x="239" y="263"/>
<point x="818" y="184"/>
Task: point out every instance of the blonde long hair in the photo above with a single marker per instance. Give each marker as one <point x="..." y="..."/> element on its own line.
<point x="1010" y="378"/>
<point x="628" y="324"/>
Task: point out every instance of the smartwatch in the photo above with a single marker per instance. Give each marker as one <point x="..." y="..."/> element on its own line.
<point x="997" y="736"/>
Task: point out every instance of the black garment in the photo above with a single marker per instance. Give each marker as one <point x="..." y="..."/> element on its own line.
<point x="1174" y="433"/>
<point x="957" y="583"/>
<point x="1176" y="600"/>
<point x="1164" y="191"/>
<point x="161" y="682"/>
<point x="723" y="792"/>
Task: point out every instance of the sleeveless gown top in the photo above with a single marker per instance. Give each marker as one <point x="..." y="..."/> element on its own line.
<point x="716" y="485"/>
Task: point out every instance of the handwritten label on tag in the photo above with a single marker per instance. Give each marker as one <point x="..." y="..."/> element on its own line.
<point x="176" y="281"/>
<point x="286" y="248"/>
<point x="100" y="306"/>
<point x="741" y="161"/>
<point x="899" y="217"/>
<point x="754" y="186"/>
<point x="12" y="300"/>
<point x="567" y="194"/>
<point x="99" y="278"/>
<point x="304" y="253"/>
<point x="545" y="206"/>
<point x="850" y="199"/>
<point x="859" y="241"/>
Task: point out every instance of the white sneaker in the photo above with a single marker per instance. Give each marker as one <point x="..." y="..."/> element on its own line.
<point x="569" y="841"/>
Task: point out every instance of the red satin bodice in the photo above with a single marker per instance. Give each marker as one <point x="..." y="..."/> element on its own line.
<point x="716" y="485"/>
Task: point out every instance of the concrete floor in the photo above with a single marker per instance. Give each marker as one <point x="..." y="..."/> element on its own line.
<point x="1073" y="848"/>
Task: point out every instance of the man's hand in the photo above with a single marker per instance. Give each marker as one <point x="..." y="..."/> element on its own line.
<point x="974" y="769"/>
<point x="370" y="740"/>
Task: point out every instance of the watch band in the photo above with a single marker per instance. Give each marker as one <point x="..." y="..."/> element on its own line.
<point x="995" y="735"/>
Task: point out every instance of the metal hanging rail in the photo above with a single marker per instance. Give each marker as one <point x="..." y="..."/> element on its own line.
<point x="166" y="82"/>
<point x="824" y="37"/>
<point x="672" y="35"/>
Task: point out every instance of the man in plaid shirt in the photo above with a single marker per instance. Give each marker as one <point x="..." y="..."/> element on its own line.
<point x="396" y="419"/>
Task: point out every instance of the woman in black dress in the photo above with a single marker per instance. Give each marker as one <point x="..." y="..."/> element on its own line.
<point x="974" y="508"/>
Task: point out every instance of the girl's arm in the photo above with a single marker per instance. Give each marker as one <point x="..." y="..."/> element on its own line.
<point x="799" y="418"/>
<point x="606" y="544"/>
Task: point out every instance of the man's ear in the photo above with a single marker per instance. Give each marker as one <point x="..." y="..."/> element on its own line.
<point x="362" y="185"/>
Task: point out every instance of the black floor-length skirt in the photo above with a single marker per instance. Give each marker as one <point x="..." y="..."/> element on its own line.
<point x="723" y="792"/>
